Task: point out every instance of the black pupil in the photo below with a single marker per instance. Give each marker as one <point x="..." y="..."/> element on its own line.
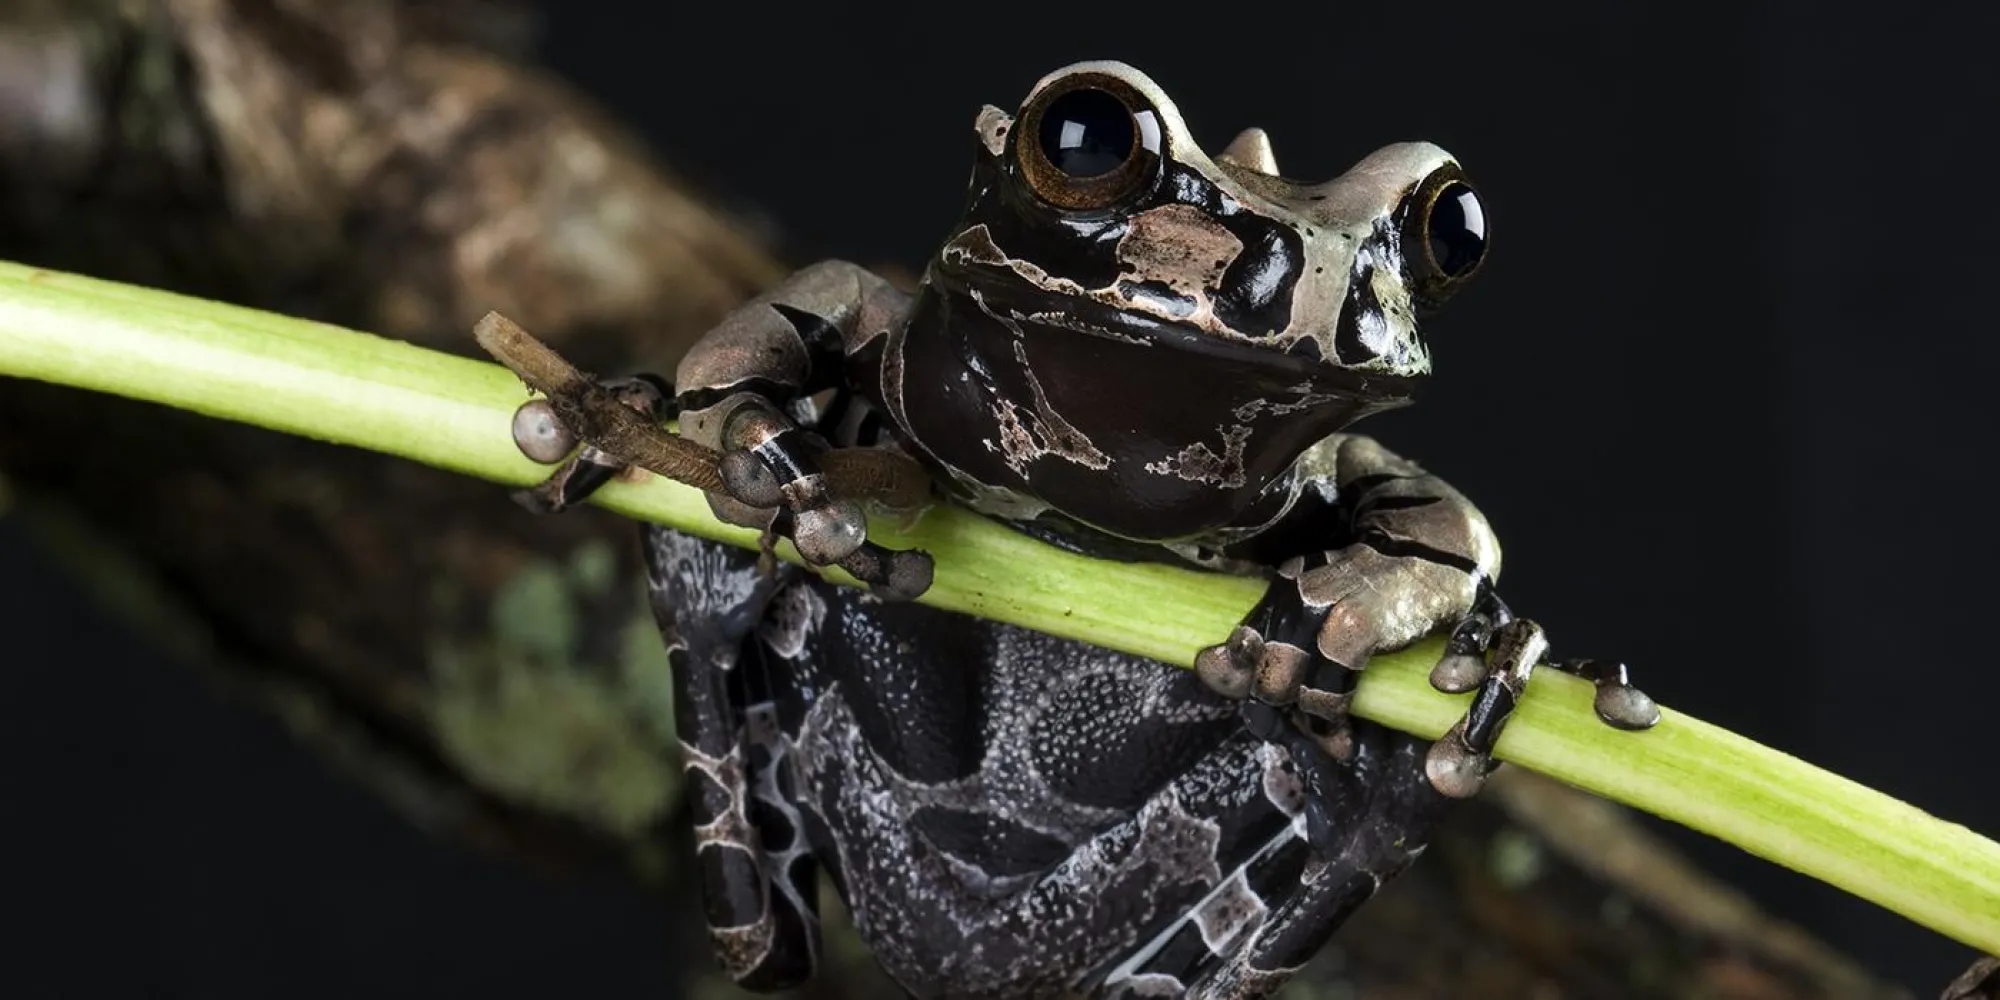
<point x="1087" y="133"/>
<point x="1457" y="230"/>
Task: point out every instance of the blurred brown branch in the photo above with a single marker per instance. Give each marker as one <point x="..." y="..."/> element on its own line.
<point x="399" y="167"/>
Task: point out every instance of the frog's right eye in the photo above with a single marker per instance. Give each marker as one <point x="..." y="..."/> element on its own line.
<point x="1088" y="142"/>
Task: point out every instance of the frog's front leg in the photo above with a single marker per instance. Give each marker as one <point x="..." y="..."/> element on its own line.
<point x="736" y="387"/>
<point x="1420" y="558"/>
<point x="742" y="390"/>
<point x="1378" y="840"/>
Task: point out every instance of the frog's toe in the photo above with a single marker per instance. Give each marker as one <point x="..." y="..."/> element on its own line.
<point x="770" y="464"/>
<point x="1618" y="703"/>
<point x="829" y="531"/>
<point x="749" y="480"/>
<point x="541" y="435"/>
<point x="1463" y="665"/>
<point x="1229" y="668"/>
<point x="1332" y="732"/>
<point x="1269" y="658"/>
<point x="1627" y="707"/>
<point x="1454" y="768"/>
<point x="1457" y="673"/>
<point x="891" y="574"/>
<point x="1460" y="759"/>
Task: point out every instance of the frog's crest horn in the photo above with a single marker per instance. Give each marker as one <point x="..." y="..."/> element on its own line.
<point x="1251" y="150"/>
<point x="991" y="126"/>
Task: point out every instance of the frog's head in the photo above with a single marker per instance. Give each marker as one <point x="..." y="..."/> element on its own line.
<point x="1183" y="317"/>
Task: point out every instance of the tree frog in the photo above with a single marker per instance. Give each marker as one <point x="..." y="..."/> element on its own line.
<point x="1136" y="350"/>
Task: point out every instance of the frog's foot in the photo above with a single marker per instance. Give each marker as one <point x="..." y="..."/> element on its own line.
<point x="1293" y="694"/>
<point x="1272" y="662"/>
<point x="1495" y="654"/>
<point x="1463" y="668"/>
<point x="771" y="474"/>
<point x="1382" y="830"/>
<point x="1302" y="648"/>
<point x="779" y="474"/>
<point x="1618" y="703"/>
<point x="1461" y="759"/>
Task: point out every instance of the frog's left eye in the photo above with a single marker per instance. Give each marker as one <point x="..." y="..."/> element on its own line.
<point x="1444" y="233"/>
<point x="1087" y="142"/>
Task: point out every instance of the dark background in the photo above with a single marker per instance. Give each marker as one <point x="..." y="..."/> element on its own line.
<point x="1735" y="318"/>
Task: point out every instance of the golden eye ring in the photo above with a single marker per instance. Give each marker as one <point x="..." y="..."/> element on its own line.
<point x="1444" y="233"/>
<point x="1087" y="142"/>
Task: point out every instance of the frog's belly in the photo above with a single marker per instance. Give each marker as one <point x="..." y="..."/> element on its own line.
<point x="990" y="797"/>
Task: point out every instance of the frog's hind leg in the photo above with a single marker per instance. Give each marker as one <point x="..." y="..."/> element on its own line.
<point x="1352" y="826"/>
<point x="759" y="882"/>
<point x="1391" y="804"/>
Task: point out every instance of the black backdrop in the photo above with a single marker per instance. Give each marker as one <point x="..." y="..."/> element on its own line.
<point x="1735" y="318"/>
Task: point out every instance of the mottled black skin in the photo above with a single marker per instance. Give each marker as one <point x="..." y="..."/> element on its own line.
<point x="1196" y="389"/>
<point x="1197" y="384"/>
<point x="1009" y="814"/>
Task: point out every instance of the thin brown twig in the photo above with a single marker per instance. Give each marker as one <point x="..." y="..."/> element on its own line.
<point x="593" y="413"/>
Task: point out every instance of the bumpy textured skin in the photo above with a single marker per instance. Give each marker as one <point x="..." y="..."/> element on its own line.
<point x="1164" y="376"/>
<point x="1008" y="814"/>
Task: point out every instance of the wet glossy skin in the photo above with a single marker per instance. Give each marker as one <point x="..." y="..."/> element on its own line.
<point x="1153" y="366"/>
<point x="1145" y="352"/>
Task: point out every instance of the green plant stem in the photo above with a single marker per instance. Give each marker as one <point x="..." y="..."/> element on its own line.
<point x="356" y="389"/>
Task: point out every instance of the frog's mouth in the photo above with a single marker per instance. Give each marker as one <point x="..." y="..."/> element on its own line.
<point x="1295" y="365"/>
<point x="1137" y="427"/>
